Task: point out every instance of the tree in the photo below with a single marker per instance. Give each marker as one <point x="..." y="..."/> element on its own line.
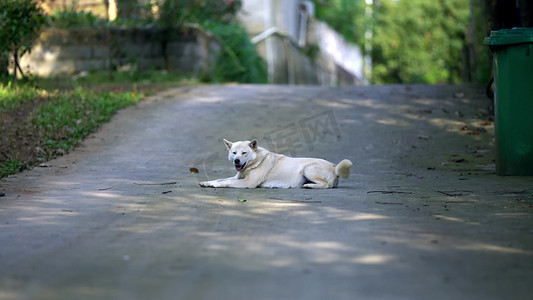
<point x="346" y="16"/>
<point x="20" y="22"/>
<point x="174" y="13"/>
<point x="419" y="41"/>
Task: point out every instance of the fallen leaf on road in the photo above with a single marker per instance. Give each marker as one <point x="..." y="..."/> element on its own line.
<point x="242" y="200"/>
<point x="193" y="170"/>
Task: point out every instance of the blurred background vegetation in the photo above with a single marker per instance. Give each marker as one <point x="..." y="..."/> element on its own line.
<point x="425" y="41"/>
<point x="405" y="41"/>
<point x="238" y="62"/>
<point x="415" y="41"/>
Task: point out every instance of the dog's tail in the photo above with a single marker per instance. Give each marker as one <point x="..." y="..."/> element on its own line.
<point x="343" y="168"/>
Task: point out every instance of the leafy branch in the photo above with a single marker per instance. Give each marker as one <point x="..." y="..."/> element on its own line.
<point x="20" y="23"/>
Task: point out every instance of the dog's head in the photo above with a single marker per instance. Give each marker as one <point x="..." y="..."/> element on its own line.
<point x="241" y="154"/>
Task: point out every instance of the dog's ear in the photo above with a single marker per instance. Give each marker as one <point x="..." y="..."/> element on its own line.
<point x="228" y="144"/>
<point x="253" y="144"/>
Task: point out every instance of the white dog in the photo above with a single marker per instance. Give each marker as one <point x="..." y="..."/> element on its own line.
<point x="258" y="167"/>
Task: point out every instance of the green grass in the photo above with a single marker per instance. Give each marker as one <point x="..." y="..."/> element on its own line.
<point x="11" y="166"/>
<point x="145" y="77"/>
<point x="12" y="97"/>
<point x="67" y="119"/>
<point x="41" y="125"/>
<point x="125" y="80"/>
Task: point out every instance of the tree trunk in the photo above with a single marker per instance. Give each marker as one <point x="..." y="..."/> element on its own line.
<point x="15" y="63"/>
<point x="4" y="63"/>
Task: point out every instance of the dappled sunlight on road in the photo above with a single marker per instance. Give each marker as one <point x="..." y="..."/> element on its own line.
<point x="421" y="209"/>
<point x="372" y="259"/>
<point x="493" y="248"/>
<point x="454" y="219"/>
<point x="391" y="122"/>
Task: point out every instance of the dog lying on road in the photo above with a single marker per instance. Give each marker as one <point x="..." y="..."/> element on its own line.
<point x="258" y="167"/>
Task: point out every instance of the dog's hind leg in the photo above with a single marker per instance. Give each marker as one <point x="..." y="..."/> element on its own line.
<point x="319" y="184"/>
<point x="319" y="177"/>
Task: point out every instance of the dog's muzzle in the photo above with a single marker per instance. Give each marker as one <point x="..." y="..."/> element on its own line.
<point x="238" y="165"/>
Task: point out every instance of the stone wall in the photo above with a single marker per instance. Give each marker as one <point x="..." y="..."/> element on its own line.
<point x="67" y="52"/>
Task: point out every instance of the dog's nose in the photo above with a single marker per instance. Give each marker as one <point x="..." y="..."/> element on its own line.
<point x="237" y="161"/>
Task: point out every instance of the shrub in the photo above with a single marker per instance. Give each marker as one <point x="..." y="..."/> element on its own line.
<point x="69" y="18"/>
<point x="175" y="13"/>
<point x="239" y="61"/>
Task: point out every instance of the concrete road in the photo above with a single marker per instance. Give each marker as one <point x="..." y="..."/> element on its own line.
<point x="423" y="216"/>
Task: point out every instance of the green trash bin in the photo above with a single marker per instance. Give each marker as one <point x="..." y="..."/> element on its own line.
<point x="513" y="80"/>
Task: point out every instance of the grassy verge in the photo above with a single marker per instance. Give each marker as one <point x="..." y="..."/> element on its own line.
<point x="37" y="124"/>
<point x="43" y="118"/>
<point x="146" y="82"/>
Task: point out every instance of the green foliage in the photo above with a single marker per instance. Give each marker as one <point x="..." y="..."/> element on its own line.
<point x="20" y="22"/>
<point x="12" y="97"/>
<point x="239" y="61"/>
<point x="11" y="166"/>
<point x="419" y="41"/>
<point x="71" y="18"/>
<point x="414" y="41"/>
<point x="175" y="13"/>
<point x="346" y="16"/>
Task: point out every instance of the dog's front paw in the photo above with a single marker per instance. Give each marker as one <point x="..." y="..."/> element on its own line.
<point x="206" y="184"/>
<point x="211" y="184"/>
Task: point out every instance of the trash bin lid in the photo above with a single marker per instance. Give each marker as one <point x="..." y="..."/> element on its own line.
<point x="516" y="35"/>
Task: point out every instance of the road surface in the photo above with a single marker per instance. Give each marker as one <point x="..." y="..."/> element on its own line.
<point x="423" y="216"/>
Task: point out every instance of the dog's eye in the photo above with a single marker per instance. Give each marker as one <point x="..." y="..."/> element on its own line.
<point x="234" y="152"/>
<point x="243" y="153"/>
